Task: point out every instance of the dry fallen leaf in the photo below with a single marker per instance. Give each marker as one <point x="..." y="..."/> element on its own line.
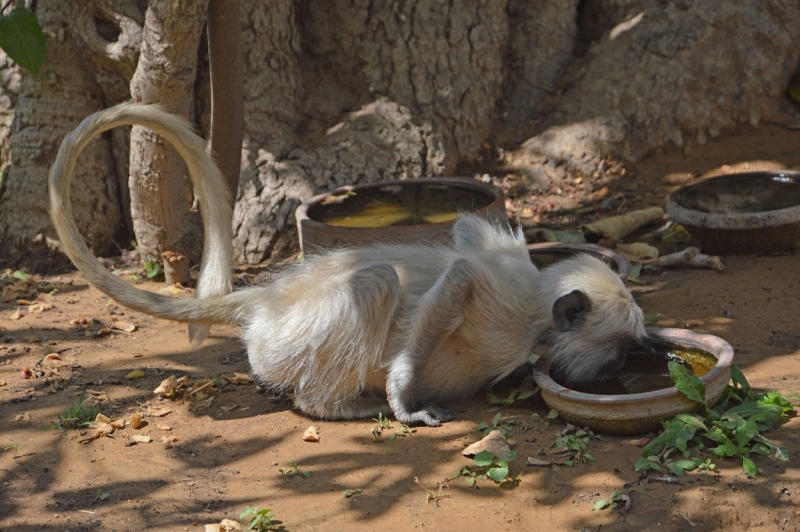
<point x="230" y="408"/>
<point x="23" y="419"/>
<point x="158" y="412"/>
<point x="53" y="360"/>
<point x="101" y="418"/>
<point x="167" y="386"/>
<point x="164" y="427"/>
<point x="533" y="461"/>
<point x="16" y="315"/>
<point x="167" y="441"/>
<point x="494" y="442"/>
<point x="38" y="308"/>
<point x="135" y="374"/>
<point x="202" y="405"/>
<point x="2" y="382"/>
<point x="311" y="434"/>
<point x="118" y="423"/>
<point x="140" y="438"/>
<point x="124" y="326"/>
<point x="102" y="430"/>
<point x="136" y="421"/>
<point x="226" y="525"/>
<point x="204" y="385"/>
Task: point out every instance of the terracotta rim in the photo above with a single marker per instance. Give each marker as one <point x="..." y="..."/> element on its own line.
<point x="622" y="262"/>
<point x="732" y="221"/>
<point x="301" y="214"/>
<point x="707" y="342"/>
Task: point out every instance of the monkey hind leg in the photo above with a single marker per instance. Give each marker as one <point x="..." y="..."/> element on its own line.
<point x="335" y="364"/>
<point x="362" y="407"/>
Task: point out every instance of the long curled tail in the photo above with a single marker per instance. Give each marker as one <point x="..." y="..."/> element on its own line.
<point x="216" y="268"/>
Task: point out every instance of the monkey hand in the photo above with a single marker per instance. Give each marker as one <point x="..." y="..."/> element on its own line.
<point x="430" y="414"/>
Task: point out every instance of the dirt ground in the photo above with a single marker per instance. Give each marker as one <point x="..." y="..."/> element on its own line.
<point x="225" y="455"/>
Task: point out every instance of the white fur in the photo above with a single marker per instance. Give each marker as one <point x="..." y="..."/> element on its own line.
<point x="349" y="331"/>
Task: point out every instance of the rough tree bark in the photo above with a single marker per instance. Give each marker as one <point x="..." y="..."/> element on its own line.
<point x="159" y="185"/>
<point x="110" y="35"/>
<point x="353" y="91"/>
<point x="50" y="104"/>
<point x="227" y="88"/>
<point x="665" y="73"/>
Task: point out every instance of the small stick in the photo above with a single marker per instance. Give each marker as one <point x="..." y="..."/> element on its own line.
<point x="691" y="257"/>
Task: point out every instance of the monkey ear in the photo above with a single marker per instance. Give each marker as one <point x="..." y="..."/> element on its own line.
<point x="570" y="310"/>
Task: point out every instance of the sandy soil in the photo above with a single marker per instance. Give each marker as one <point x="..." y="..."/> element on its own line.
<point x="225" y="455"/>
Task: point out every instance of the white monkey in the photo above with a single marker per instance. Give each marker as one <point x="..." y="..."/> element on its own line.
<point x="356" y="332"/>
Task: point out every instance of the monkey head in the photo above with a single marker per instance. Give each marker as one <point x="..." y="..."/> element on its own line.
<point x="594" y="320"/>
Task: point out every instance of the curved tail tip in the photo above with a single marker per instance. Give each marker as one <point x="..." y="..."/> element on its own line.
<point x="198" y="333"/>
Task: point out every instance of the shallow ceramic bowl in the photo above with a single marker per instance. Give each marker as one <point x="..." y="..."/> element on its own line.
<point x="638" y="413"/>
<point x="752" y="212"/>
<point x="460" y="194"/>
<point x="547" y="253"/>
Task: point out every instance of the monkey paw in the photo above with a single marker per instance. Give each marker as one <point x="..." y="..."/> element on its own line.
<point x="430" y="414"/>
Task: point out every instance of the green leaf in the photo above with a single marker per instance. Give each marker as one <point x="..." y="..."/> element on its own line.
<point x="483" y="426"/>
<point x="727" y="449"/>
<point x="498" y="474"/>
<point x="739" y="379"/>
<point x="589" y="456"/>
<point x="22" y="39"/>
<point x="471" y="481"/>
<point x="643" y="464"/>
<point x="602" y="504"/>
<point x="749" y="466"/>
<point x="492" y="398"/>
<point x="744" y="434"/>
<point x="496" y="419"/>
<point x="650" y="319"/>
<point x="152" y="269"/>
<point x="524" y="394"/>
<point x="692" y="420"/>
<point x="689" y="385"/>
<point x="483" y="459"/>
<point x="552" y="414"/>
<point x="19" y="275"/>
<point x="507" y="456"/>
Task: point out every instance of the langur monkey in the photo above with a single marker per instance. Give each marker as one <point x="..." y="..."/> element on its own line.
<point x="357" y="332"/>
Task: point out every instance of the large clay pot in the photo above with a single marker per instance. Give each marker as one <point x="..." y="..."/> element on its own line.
<point x="461" y="194"/>
<point x="752" y="212"/>
<point x="545" y="254"/>
<point x="638" y="413"/>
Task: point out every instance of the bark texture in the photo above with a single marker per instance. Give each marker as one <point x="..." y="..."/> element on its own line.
<point x="289" y="155"/>
<point x="159" y="184"/>
<point x="355" y="91"/>
<point x="109" y="33"/>
<point x="49" y="105"/>
<point x="442" y="60"/>
<point x="667" y="73"/>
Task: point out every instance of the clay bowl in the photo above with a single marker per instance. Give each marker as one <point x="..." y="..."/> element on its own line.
<point x="753" y="212"/>
<point x="547" y="253"/>
<point x="638" y="413"/>
<point x="454" y="194"/>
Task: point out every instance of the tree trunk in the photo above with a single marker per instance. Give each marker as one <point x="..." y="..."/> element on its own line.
<point x="110" y="35"/>
<point x="159" y="184"/>
<point x="442" y="60"/>
<point x="355" y="91"/>
<point x="50" y="104"/>
<point x="227" y="88"/>
<point x="666" y="73"/>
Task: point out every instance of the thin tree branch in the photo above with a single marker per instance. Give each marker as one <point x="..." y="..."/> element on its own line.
<point x="227" y="87"/>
